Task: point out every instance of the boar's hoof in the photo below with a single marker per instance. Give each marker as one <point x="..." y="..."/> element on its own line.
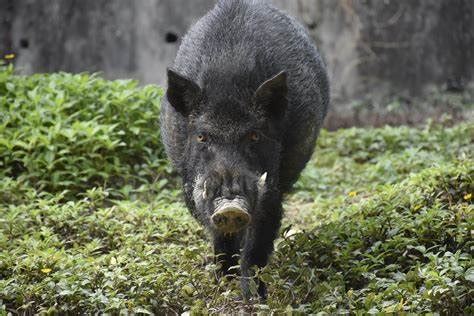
<point x="230" y="217"/>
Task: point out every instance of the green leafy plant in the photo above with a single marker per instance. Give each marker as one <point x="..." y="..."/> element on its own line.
<point x="74" y="132"/>
<point x="92" y="221"/>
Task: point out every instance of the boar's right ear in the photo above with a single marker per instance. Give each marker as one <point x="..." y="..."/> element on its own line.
<point x="182" y="92"/>
<point x="271" y="95"/>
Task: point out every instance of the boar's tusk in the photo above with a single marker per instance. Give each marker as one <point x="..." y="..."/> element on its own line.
<point x="204" y="192"/>
<point x="261" y="181"/>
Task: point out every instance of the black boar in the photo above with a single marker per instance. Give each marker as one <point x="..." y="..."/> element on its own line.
<point x="246" y="97"/>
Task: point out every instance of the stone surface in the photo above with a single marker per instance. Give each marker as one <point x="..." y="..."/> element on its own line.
<point x="373" y="48"/>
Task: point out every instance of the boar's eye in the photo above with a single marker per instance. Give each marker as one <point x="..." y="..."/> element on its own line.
<point x="254" y="136"/>
<point x="201" y="138"/>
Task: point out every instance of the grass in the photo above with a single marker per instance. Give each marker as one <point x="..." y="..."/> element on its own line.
<point x="91" y="219"/>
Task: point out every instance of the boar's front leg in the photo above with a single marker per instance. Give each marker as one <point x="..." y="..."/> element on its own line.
<point x="259" y="245"/>
<point x="226" y="250"/>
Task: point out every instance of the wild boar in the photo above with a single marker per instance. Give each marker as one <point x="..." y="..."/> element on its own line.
<point x="246" y="97"/>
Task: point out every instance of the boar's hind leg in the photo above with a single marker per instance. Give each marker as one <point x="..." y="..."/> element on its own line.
<point x="226" y="250"/>
<point x="258" y="247"/>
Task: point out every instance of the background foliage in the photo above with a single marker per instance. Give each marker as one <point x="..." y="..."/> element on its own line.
<point x="73" y="132"/>
<point x="91" y="219"/>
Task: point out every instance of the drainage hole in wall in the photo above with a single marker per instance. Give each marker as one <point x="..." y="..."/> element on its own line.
<point x="171" y="37"/>
<point x="24" y="43"/>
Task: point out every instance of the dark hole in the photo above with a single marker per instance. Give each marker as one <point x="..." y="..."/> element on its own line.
<point x="171" y="37"/>
<point x="24" y="43"/>
<point x="312" y="25"/>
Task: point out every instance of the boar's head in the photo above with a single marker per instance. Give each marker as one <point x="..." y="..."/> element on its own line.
<point x="232" y="150"/>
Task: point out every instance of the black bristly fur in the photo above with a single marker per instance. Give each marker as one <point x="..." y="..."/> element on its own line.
<point x="243" y="69"/>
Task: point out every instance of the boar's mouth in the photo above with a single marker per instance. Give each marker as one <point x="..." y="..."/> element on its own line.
<point x="230" y="216"/>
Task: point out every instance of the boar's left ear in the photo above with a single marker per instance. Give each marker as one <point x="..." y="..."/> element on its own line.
<point x="271" y="95"/>
<point x="182" y="92"/>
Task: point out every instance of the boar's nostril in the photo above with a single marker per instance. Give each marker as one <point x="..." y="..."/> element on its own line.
<point x="239" y="220"/>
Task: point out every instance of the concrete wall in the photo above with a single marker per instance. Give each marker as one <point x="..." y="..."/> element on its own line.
<point x="373" y="48"/>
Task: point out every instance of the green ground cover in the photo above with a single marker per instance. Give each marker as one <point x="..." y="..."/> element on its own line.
<point x="91" y="219"/>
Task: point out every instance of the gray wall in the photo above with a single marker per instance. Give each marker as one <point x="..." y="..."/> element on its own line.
<point x="373" y="48"/>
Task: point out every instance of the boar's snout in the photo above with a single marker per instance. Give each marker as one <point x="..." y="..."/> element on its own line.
<point x="229" y="199"/>
<point x="231" y="216"/>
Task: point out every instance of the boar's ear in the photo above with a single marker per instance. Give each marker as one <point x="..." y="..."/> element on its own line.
<point x="271" y="95"/>
<point x="182" y="92"/>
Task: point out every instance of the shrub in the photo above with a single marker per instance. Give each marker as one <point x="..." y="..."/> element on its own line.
<point x="74" y="132"/>
<point x="405" y="249"/>
<point x="380" y="221"/>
